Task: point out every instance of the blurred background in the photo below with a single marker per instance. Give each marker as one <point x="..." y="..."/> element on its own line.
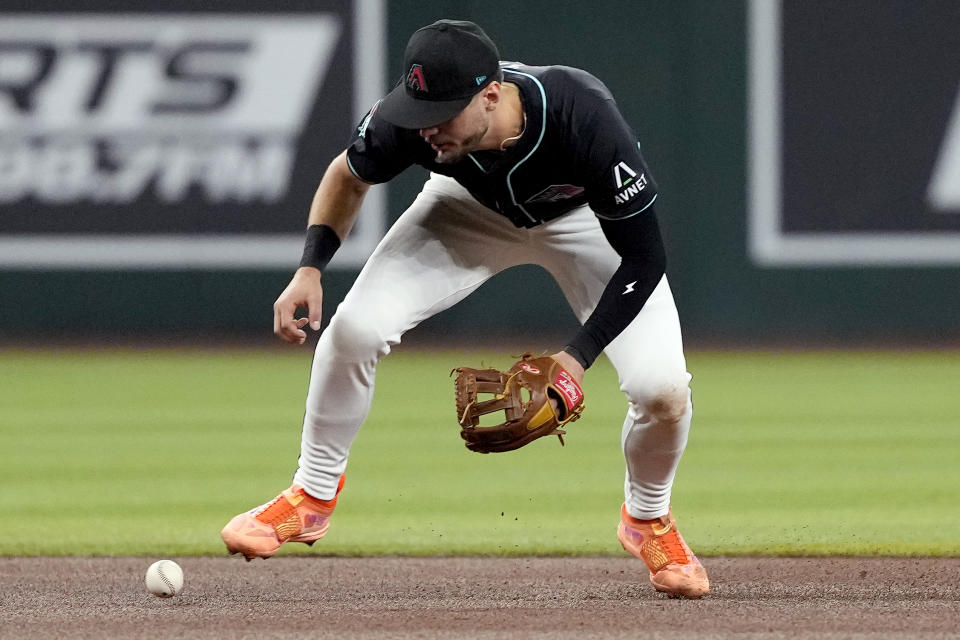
<point x="157" y="160"/>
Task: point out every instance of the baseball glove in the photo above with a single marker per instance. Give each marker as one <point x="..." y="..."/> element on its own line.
<point x="523" y="392"/>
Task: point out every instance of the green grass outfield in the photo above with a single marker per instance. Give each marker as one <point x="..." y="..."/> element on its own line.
<point x="150" y="452"/>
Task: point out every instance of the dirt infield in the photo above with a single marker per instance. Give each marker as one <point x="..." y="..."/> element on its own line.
<point x="322" y="597"/>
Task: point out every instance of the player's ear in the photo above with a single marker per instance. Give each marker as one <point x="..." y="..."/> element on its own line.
<point x="491" y="95"/>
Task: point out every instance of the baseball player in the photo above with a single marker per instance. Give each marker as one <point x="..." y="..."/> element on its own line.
<point x="528" y="165"/>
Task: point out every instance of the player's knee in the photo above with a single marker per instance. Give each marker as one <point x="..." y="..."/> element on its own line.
<point x="669" y="405"/>
<point x="354" y="340"/>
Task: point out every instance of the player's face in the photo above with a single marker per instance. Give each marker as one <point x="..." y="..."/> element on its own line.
<point x="454" y="139"/>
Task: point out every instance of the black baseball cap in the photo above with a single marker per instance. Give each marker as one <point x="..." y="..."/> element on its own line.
<point x="444" y="66"/>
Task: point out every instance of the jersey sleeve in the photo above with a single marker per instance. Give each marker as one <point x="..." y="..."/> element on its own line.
<point x="643" y="262"/>
<point x="379" y="150"/>
<point x="617" y="181"/>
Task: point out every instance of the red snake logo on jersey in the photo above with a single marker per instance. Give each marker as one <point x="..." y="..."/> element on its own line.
<point x="415" y="79"/>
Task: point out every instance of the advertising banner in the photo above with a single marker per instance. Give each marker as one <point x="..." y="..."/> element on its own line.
<point x="179" y="140"/>
<point x="854" y="130"/>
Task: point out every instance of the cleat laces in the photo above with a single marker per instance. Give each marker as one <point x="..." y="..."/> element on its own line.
<point x="673" y="548"/>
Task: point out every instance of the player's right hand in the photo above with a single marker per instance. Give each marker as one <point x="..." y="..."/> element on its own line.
<point x="304" y="290"/>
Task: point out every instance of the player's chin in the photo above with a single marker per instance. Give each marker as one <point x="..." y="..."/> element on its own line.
<point x="450" y="155"/>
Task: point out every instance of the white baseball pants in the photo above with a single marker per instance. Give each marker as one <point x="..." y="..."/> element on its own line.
<point x="440" y="250"/>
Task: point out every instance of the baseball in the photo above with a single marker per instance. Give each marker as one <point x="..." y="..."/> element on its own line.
<point x="164" y="578"/>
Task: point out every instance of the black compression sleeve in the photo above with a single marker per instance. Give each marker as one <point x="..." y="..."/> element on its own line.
<point x="642" y="265"/>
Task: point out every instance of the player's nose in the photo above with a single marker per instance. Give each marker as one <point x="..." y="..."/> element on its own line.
<point x="430" y="131"/>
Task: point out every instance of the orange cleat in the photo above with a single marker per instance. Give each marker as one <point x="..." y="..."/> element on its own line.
<point x="674" y="569"/>
<point x="293" y="516"/>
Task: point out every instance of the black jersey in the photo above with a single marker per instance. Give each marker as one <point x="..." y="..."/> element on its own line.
<point x="576" y="148"/>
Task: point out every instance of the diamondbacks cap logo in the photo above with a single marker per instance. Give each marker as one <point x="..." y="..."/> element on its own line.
<point x="415" y="79"/>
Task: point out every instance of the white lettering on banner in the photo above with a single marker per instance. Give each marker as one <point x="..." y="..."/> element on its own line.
<point x="102" y="108"/>
<point x="944" y="190"/>
<point x="68" y="171"/>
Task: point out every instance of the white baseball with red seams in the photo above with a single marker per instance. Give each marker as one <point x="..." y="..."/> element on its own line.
<point x="164" y="578"/>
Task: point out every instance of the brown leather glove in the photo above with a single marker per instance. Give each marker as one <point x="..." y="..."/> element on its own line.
<point x="523" y="393"/>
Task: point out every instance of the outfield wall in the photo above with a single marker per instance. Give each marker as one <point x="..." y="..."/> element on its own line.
<point x="807" y="154"/>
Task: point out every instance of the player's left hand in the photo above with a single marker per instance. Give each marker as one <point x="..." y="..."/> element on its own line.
<point x="568" y="362"/>
<point x="536" y="395"/>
